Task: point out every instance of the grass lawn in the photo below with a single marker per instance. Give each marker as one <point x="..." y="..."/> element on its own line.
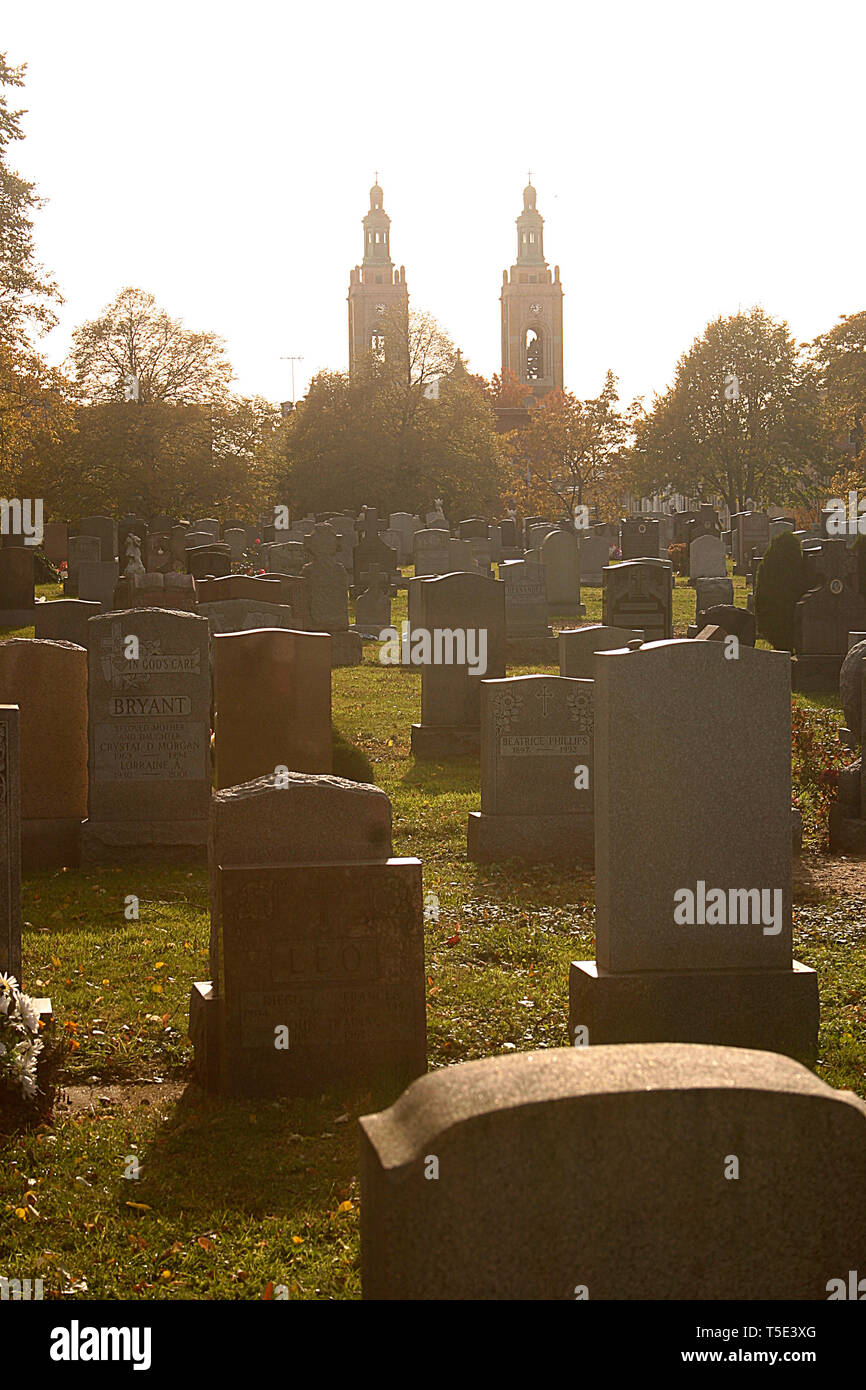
<point x="232" y="1199"/>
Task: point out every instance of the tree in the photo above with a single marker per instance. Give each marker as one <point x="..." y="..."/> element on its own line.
<point x="27" y="293"/>
<point x="134" y="337"/>
<point x="571" y="450"/>
<point x="740" y="421"/>
<point x="839" y="358"/>
<point x="35" y="420"/>
<point x="405" y="427"/>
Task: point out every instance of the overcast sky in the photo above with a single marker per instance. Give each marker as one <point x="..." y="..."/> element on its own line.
<point x="690" y="160"/>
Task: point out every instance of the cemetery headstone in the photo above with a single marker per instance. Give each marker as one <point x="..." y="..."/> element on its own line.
<point x="577" y="647"/>
<point x="10" y="842"/>
<point x="48" y="682"/>
<point x="638" y="594"/>
<point x="432" y="552"/>
<point x="317" y="944"/>
<point x="594" y="1173"/>
<point x="17" y="590"/>
<point x="693" y="919"/>
<point x="64" y="620"/>
<point x="272" y="704"/>
<point x="560" y="555"/>
<point x="149" y="737"/>
<point x="458" y="637"/>
<point x="536" y="771"/>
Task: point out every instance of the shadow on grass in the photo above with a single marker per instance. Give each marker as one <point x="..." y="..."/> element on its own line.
<point x="283" y="1158"/>
<point x="349" y="760"/>
<point x="442" y="778"/>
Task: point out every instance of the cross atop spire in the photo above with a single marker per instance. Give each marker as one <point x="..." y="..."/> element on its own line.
<point x="529" y="176"/>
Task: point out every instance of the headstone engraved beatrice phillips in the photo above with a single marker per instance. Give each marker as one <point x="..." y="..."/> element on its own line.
<point x="317" y="944"/>
<point x="150" y="774"/>
<point x="536" y="771"/>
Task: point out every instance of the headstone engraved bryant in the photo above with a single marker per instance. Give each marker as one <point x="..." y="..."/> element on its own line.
<point x="150" y="779"/>
<point x="602" y="1169"/>
<point x="536" y="770"/>
<point x="720" y="970"/>
<point x="317" y="944"/>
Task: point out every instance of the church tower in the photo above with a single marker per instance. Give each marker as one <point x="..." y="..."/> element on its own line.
<point x="375" y="286"/>
<point x="532" y="308"/>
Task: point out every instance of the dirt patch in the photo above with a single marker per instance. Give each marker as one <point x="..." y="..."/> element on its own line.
<point x="105" y="1099"/>
<point x="819" y="875"/>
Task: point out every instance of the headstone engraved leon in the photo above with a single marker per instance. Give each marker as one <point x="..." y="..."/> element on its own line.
<point x="536" y="771"/>
<point x="721" y="970"/>
<point x="10" y="842"/>
<point x="150" y="776"/>
<point x="550" y="1162"/>
<point x="317" y="944"/>
<point x="638" y="594"/>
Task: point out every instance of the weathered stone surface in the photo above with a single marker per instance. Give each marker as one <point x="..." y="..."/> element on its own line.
<point x="80" y="548"/>
<point x="316" y="933"/>
<point x="578" y="645"/>
<point x="549" y="1162"/>
<point x="560" y="555"/>
<point x="327" y="589"/>
<point x="17" y="593"/>
<point x="707" y="557"/>
<point x="638" y="594"/>
<point x="468" y="613"/>
<point x="639" y="538"/>
<point x="105" y="529"/>
<point x="737" y="622"/>
<point x="594" y="555"/>
<point x="851" y="687"/>
<point x="710" y="593"/>
<point x="245" y="615"/>
<point x="536" y="770"/>
<point x="432" y="551"/>
<point x="272" y="703"/>
<point x="10" y="842"/>
<point x="96" y="582"/>
<point x="525" y="598"/>
<point x="150" y="781"/>
<point x="55" y="541"/>
<point x="65" y="620"/>
<point x="705" y="897"/>
<point x="48" y="682"/>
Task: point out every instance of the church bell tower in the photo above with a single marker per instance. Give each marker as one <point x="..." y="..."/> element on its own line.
<point x="375" y="286"/>
<point x="532" y="308"/>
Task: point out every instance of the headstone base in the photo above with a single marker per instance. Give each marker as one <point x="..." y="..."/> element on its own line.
<point x="534" y="839"/>
<point x="347" y="649"/>
<point x="566" y="610"/>
<point x="816" y="672"/>
<point x="531" y="651"/>
<point x="17" y="617"/>
<point x="430" y="742"/>
<point x="144" y="842"/>
<point x="767" y="1010"/>
<point x="51" y="844"/>
<point x="847" y="833"/>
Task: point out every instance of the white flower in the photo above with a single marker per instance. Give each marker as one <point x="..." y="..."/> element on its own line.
<point x="29" y="1012"/>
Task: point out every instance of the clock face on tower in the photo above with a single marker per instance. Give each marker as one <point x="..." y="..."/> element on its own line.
<point x="535" y="309"/>
<point x="380" y="308"/>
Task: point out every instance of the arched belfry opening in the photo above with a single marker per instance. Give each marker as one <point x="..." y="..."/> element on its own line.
<point x="533" y="355"/>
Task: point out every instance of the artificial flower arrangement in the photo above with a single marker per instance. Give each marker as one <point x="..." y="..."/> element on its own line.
<point x="29" y="1062"/>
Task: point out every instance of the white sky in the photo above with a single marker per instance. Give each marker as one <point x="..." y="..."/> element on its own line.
<point x="690" y="159"/>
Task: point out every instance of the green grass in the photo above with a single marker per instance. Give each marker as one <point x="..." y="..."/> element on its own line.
<point x="233" y="1197"/>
